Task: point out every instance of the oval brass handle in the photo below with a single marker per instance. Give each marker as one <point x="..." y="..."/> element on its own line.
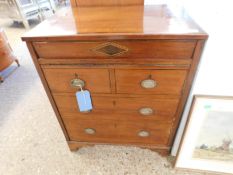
<point x="146" y="111"/>
<point x="90" y="131"/>
<point x="148" y="84"/>
<point x="77" y="83"/>
<point x="143" y="133"/>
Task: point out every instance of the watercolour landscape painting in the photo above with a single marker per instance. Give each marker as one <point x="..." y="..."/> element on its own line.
<point x="207" y="143"/>
<point x="215" y="140"/>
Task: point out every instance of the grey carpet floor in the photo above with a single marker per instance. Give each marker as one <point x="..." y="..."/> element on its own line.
<point x="31" y="141"/>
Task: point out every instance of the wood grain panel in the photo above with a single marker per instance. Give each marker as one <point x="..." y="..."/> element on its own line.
<point x="168" y="81"/>
<point x="117" y="132"/>
<point x="119" y="108"/>
<point x="96" y="80"/>
<point x="163" y="49"/>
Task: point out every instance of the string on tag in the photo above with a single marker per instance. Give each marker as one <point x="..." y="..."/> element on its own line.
<point x="84" y="97"/>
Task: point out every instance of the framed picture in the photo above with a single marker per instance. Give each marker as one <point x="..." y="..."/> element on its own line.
<point x="207" y="142"/>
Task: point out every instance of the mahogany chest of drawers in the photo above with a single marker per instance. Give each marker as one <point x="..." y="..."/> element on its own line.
<point x="138" y="62"/>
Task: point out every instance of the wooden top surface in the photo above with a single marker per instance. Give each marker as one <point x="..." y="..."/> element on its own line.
<point x="118" y="22"/>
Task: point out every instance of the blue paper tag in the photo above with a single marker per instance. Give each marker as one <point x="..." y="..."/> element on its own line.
<point x="84" y="100"/>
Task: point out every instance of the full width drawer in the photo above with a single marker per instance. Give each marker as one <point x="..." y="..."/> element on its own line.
<point x="105" y="131"/>
<point x="59" y="79"/>
<point x="120" y="108"/>
<point x="150" y="81"/>
<point x="130" y="49"/>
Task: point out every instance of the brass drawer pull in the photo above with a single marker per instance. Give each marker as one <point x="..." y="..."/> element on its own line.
<point x="148" y="84"/>
<point x="77" y="83"/>
<point x="143" y="134"/>
<point x="90" y="131"/>
<point x="146" y="111"/>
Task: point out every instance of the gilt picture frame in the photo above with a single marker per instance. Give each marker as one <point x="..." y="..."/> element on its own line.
<point x="207" y="141"/>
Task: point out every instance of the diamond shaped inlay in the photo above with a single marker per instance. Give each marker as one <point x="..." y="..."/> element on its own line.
<point x="111" y="49"/>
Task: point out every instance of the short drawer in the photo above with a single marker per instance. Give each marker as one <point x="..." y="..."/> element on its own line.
<point x="59" y="79"/>
<point x="105" y="131"/>
<point x="120" y="108"/>
<point x="179" y="49"/>
<point x="150" y="81"/>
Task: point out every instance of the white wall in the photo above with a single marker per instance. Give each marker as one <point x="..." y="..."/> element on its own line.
<point x="215" y="73"/>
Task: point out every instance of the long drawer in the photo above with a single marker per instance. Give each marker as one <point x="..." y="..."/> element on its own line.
<point x="106" y="131"/>
<point x="150" y="81"/>
<point x="120" y="108"/>
<point x="179" y="49"/>
<point x="59" y="79"/>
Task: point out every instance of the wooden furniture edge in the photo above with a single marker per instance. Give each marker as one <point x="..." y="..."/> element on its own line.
<point x="46" y="87"/>
<point x="112" y="36"/>
<point x="119" y="62"/>
<point x="73" y="3"/>
<point x="75" y="145"/>
<point x="187" y="88"/>
<point x="158" y="96"/>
